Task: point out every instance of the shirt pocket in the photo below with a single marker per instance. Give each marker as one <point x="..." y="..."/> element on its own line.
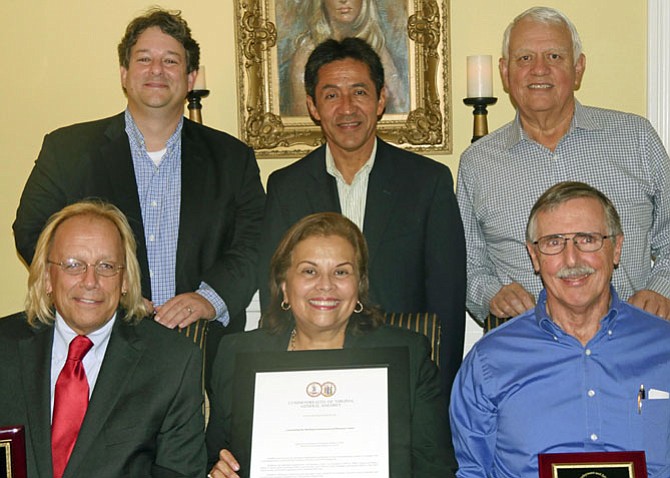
<point x="651" y="429"/>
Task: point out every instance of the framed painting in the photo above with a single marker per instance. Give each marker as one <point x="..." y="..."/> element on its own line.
<point x="275" y="38"/>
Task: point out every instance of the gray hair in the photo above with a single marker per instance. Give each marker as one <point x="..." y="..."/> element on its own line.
<point x="561" y="193"/>
<point x="549" y="16"/>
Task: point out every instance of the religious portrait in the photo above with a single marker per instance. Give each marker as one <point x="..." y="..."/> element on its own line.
<point x="276" y="37"/>
<point x="301" y="25"/>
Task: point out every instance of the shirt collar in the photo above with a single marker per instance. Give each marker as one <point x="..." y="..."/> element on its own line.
<point x="64" y="334"/>
<point x="582" y="118"/>
<point x="365" y="169"/>
<point x="136" y="137"/>
<point x="607" y="323"/>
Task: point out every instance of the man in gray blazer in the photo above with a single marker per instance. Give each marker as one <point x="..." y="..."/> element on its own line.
<point x="192" y="194"/>
<point x="140" y="412"/>
<point x="404" y="203"/>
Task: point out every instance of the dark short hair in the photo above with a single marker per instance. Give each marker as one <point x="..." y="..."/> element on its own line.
<point x="171" y="23"/>
<point x="332" y="50"/>
<point x="321" y="224"/>
<point x="561" y="193"/>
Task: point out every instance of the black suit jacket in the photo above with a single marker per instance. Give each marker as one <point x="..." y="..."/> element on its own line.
<point x="145" y="414"/>
<point x="412" y="227"/>
<point x="427" y="449"/>
<point x="222" y="201"/>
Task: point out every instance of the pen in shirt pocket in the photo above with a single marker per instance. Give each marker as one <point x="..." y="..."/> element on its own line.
<point x="640" y="396"/>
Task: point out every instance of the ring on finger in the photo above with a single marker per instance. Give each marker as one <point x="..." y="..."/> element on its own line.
<point x="190" y="311"/>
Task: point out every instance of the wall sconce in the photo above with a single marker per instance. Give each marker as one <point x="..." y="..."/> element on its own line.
<point x="480" y="93"/>
<point x="195" y="96"/>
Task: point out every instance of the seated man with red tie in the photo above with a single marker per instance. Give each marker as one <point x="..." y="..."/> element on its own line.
<point x="100" y="392"/>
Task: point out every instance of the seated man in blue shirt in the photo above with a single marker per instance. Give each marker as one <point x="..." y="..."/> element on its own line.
<point x="565" y="376"/>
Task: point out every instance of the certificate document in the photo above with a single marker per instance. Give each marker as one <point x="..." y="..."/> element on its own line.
<point x="322" y="413"/>
<point x="321" y="423"/>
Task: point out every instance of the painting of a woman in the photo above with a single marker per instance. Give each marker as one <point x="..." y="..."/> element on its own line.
<point x="318" y="20"/>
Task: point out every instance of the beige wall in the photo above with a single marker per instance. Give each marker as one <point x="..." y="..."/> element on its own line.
<point x="62" y="68"/>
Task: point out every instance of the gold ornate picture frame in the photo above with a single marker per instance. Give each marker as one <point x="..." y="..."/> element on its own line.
<point x="268" y="32"/>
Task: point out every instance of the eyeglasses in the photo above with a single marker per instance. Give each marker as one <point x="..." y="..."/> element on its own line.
<point x="584" y="241"/>
<point x="75" y="267"/>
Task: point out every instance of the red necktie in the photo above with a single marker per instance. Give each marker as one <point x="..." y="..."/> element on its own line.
<point x="70" y="403"/>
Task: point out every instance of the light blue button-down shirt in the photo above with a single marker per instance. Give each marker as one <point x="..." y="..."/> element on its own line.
<point x="159" y="191"/>
<point x="501" y="176"/>
<point x="527" y="388"/>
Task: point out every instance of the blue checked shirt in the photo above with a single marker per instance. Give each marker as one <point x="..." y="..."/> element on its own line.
<point x="527" y="387"/>
<point x="159" y="191"/>
<point x="502" y="175"/>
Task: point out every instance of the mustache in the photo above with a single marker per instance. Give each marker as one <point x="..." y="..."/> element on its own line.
<point x="570" y="272"/>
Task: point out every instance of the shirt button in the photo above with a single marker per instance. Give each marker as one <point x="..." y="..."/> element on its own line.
<point x="154" y="203"/>
<point x="588" y="352"/>
<point x="151" y="274"/>
<point x="609" y="332"/>
<point x="594" y="437"/>
<point x="591" y="393"/>
<point x="151" y="238"/>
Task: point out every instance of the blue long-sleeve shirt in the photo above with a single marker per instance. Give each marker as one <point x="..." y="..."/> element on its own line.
<point x="159" y="192"/>
<point x="527" y="388"/>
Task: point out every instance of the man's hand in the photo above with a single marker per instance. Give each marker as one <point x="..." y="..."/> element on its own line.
<point x="225" y="467"/>
<point x="184" y="309"/>
<point x="511" y="300"/>
<point x="652" y="302"/>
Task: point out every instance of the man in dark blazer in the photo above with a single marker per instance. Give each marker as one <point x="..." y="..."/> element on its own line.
<point x="144" y="415"/>
<point x="407" y="210"/>
<point x="192" y="194"/>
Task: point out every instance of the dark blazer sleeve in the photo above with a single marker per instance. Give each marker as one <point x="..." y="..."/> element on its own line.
<point x="445" y="281"/>
<point x="220" y="404"/>
<point x="417" y="248"/>
<point x="221" y="215"/>
<point x="54" y="182"/>
<point x="275" y="226"/>
<point x="432" y="450"/>
<point x="180" y="444"/>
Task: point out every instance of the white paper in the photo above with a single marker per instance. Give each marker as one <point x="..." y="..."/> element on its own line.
<point x="321" y="423"/>
<point x="658" y="395"/>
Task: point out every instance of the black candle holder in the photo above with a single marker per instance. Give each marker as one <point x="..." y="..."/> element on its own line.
<point x="194" y="104"/>
<point x="480" y="125"/>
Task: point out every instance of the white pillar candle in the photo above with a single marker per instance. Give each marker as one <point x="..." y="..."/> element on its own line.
<point x="200" y="81"/>
<point x="480" y="79"/>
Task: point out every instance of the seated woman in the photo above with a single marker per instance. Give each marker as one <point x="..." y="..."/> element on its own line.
<point x="319" y="284"/>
